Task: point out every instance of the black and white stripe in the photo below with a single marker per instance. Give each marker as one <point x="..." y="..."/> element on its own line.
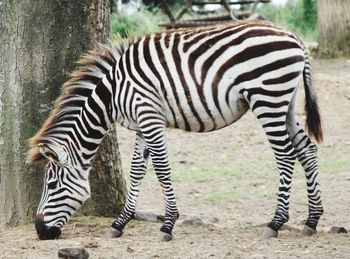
<point x="196" y="80"/>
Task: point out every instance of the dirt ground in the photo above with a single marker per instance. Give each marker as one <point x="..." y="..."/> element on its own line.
<point x="228" y="180"/>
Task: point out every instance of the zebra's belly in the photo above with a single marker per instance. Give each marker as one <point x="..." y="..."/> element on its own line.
<point x="204" y="116"/>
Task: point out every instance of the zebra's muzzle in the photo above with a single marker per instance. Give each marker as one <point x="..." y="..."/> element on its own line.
<point x="43" y="231"/>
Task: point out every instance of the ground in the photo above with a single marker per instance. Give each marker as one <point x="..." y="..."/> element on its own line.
<point x="228" y="179"/>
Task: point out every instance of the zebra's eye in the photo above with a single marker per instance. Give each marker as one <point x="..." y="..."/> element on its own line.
<point x="52" y="185"/>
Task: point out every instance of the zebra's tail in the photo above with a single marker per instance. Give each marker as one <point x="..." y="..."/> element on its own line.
<point x="313" y="118"/>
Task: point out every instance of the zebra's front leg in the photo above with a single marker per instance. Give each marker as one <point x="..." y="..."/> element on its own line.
<point x="154" y="134"/>
<point x="171" y="211"/>
<point x="161" y="166"/>
<point x="137" y="172"/>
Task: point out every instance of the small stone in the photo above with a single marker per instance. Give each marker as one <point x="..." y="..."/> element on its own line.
<point x="146" y="216"/>
<point x="215" y="220"/>
<point x="130" y="250"/>
<point x="335" y="229"/>
<point x="91" y="244"/>
<point x="193" y="221"/>
<point x="73" y="253"/>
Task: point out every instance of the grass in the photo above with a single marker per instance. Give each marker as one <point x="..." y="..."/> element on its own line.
<point x="230" y="173"/>
<point x="139" y="23"/>
<point x="233" y="180"/>
<point x="335" y="160"/>
<point x="213" y="164"/>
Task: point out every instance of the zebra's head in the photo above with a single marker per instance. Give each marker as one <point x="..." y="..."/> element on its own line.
<point x="66" y="188"/>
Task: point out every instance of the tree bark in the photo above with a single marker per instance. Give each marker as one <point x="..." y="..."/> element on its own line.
<point x="40" y="42"/>
<point x="108" y="186"/>
<point x="333" y="27"/>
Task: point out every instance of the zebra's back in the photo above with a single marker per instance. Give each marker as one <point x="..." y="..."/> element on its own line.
<point x="199" y="76"/>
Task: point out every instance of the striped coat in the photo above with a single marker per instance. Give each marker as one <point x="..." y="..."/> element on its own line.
<point x="201" y="77"/>
<point x="196" y="80"/>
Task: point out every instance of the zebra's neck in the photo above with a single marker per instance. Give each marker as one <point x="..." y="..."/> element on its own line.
<point x="84" y="112"/>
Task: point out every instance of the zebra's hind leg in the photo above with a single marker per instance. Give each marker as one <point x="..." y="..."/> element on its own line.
<point x="137" y="172"/>
<point x="273" y="121"/>
<point x="153" y="130"/>
<point x="307" y="156"/>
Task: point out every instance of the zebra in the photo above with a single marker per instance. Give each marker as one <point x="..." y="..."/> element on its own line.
<point x="197" y="80"/>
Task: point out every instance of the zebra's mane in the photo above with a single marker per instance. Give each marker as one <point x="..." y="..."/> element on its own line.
<point x="92" y="67"/>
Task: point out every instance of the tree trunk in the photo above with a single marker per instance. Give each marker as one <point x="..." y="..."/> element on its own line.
<point x="333" y="27"/>
<point x="40" y="42"/>
<point x="108" y="186"/>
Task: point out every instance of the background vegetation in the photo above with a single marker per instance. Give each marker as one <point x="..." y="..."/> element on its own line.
<point x="299" y="16"/>
<point x="145" y="20"/>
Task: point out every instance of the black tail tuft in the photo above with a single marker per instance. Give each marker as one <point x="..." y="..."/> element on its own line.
<point x="313" y="118"/>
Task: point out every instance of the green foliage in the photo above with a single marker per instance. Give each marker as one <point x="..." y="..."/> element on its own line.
<point x="139" y="23"/>
<point x="298" y="16"/>
<point x="310" y="14"/>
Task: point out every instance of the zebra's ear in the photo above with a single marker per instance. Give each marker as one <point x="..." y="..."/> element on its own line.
<point x="34" y="157"/>
<point x="49" y="153"/>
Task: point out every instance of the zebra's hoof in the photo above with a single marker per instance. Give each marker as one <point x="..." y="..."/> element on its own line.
<point x="307" y="231"/>
<point x="164" y="237"/>
<point x="113" y="233"/>
<point x="268" y="233"/>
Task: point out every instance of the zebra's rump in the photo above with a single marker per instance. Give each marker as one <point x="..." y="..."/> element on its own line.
<point x="200" y="75"/>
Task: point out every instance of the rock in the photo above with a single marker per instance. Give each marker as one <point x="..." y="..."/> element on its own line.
<point x="91" y="244"/>
<point x="193" y="221"/>
<point x="335" y="229"/>
<point x="130" y="250"/>
<point x="148" y="216"/>
<point x="215" y="220"/>
<point x="73" y="253"/>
